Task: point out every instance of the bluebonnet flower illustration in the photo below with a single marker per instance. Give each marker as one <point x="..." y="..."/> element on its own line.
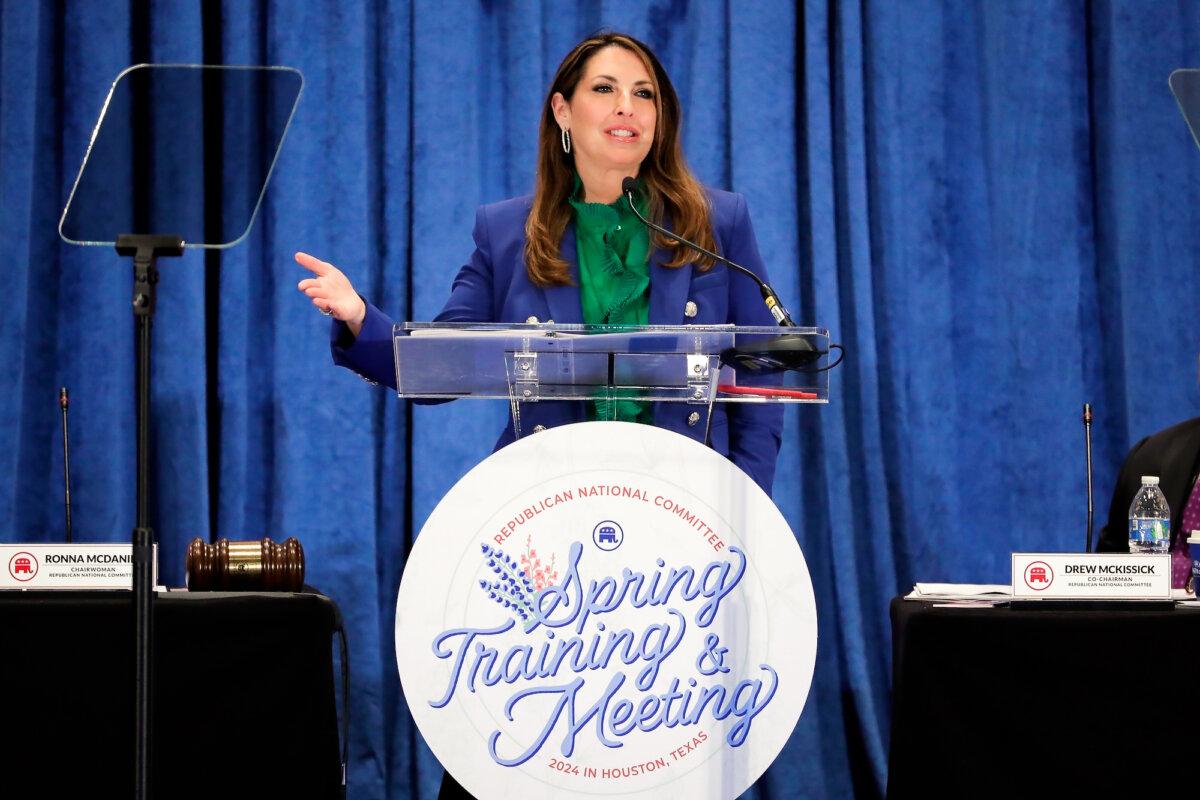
<point x="543" y="574"/>
<point x="511" y="587"/>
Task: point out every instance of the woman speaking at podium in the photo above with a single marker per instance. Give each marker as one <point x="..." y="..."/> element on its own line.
<point x="574" y="252"/>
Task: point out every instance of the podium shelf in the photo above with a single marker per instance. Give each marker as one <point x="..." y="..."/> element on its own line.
<point x="697" y="364"/>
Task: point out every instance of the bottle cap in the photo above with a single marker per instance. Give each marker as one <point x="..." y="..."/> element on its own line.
<point x="1149" y="480"/>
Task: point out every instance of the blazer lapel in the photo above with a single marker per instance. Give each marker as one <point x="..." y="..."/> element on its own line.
<point x="668" y="290"/>
<point x="564" y="302"/>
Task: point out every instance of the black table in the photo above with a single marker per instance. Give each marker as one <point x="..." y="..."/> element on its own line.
<point x="1095" y="702"/>
<point x="243" y="692"/>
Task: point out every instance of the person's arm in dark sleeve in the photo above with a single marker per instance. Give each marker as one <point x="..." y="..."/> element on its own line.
<point x="370" y="353"/>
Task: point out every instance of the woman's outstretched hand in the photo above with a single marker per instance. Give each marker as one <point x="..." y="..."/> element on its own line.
<point x="332" y="293"/>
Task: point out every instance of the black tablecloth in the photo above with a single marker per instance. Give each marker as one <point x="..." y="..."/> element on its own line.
<point x="990" y="702"/>
<point x="244" y="695"/>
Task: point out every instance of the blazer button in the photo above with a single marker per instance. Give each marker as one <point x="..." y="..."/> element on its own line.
<point x="539" y="428"/>
<point x="693" y="418"/>
<point x="690" y="309"/>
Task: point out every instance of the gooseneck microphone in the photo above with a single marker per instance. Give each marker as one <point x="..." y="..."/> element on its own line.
<point x="63" y="402"/>
<point x="763" y="355"/>
<point x="629" y="186"/>
<point x="1087" y="438"/>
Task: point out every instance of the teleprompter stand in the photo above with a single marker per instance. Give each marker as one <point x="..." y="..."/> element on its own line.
<point x="167" y="137"/>
<point x="145" y="249"/>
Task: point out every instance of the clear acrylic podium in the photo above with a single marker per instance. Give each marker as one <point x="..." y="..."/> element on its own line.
<point x="530" y="363"/>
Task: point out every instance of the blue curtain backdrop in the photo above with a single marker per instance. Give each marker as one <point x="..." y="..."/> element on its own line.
<point x="993" y="205"/>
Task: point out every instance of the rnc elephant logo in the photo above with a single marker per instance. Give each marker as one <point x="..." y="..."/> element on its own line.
<point x="23" y="566"/>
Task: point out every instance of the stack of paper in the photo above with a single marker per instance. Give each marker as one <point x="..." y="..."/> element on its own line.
<point x="961" y="594"/>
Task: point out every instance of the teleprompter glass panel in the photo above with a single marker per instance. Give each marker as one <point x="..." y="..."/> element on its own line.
<point x="183" y="149"/>
<point x="1185" y="85"/>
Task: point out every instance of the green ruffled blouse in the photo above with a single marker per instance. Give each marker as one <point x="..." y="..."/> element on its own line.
<point x="613" y="247"/>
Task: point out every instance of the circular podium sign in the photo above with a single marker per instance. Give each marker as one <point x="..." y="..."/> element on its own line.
<point x="606" y="609"/>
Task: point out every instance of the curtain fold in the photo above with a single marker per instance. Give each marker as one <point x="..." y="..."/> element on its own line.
<point x="991" y="205"/>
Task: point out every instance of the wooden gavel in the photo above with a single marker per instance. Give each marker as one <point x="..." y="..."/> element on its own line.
<point x="245" y="566"/>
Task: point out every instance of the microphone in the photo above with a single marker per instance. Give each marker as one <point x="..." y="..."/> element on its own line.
<point x="774" y="354"/>
<point x="629" y="186"/>
<point x="1087" y="438"/>
<point x="63" y="402"/>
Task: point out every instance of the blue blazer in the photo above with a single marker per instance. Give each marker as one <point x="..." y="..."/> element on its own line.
<point x="494" y="287"/>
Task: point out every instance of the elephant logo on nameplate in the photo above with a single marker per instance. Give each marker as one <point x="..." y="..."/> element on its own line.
<point x="1038" y="575"/>
<point x="638" y="621"/>
<point x="23" y="566"/>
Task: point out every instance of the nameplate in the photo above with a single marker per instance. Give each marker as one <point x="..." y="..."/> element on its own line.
<point x="69" y="566"/>
<point x="1097" y="576"/>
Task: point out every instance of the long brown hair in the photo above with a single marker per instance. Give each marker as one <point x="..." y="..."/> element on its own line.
<point x="672" y="190"/>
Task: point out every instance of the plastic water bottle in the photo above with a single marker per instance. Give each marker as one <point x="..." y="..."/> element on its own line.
<point x="1149" y="519"/>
